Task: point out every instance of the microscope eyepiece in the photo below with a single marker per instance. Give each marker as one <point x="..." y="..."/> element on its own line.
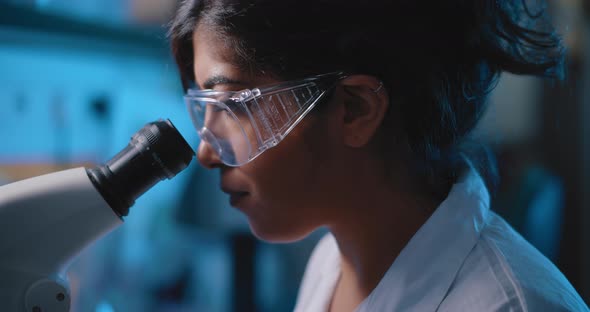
<point x="168" y="150"/>
<point x="156" y="152"/>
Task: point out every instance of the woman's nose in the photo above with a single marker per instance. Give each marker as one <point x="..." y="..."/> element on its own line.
<point x="207" y="156"/>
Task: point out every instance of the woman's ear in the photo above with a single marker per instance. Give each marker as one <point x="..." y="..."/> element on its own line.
<point x="365" y="103"/>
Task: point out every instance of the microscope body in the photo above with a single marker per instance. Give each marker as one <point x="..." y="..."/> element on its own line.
<point x="45" y="221"/>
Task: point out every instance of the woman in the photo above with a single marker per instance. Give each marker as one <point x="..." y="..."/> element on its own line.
<point x="355" y="116"/>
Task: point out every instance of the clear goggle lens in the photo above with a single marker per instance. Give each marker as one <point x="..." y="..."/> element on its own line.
<point x="239" y="126"/>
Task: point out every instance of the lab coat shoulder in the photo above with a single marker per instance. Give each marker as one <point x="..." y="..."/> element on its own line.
<point x="321" y="272"/>
<point x="504" y="272"/>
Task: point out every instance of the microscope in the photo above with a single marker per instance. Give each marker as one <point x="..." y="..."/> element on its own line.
<point x="46" y="221"/>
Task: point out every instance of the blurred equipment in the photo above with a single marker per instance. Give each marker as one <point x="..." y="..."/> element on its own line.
<point x="46" y="220"/>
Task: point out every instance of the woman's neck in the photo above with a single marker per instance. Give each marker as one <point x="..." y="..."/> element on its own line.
<point x="374" y="224"/>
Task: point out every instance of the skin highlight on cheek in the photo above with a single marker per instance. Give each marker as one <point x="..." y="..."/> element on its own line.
<point x="286" y="189"/>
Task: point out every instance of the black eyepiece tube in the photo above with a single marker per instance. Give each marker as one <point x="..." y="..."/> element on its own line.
<point x="156" y="152"/>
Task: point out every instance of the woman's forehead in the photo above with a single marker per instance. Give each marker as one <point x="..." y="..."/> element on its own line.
<point x="215" y="60"/>
<point x="212" y="57"/>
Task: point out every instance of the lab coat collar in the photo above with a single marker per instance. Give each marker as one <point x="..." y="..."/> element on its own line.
<point x="422" y="274"/>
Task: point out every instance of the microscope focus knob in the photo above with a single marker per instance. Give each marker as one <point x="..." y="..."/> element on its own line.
<point x="46" y="295"/>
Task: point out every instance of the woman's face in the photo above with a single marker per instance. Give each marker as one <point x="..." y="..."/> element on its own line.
<point x="285" y="191"/>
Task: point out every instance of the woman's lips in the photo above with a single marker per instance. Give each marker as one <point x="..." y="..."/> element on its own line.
<point x="236" y="197"/>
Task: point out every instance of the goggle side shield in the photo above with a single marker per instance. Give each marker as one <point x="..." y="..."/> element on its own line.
<point x="240" y="125"/>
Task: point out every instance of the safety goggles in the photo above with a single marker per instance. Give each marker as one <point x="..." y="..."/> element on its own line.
<point x="240" y="125"/>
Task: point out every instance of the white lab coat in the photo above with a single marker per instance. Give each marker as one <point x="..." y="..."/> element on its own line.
<point x="464" y="258"/>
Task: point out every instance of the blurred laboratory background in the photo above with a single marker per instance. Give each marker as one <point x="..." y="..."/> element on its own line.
<point x="79" y="77"/>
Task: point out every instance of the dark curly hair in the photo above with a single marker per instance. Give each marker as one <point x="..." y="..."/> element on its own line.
<point x="438" y="59"/>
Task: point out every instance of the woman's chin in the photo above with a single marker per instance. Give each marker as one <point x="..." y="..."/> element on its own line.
<point x="277" y="234"/>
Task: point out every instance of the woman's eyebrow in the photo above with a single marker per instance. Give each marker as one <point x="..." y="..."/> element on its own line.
<point x="217" y="80"/>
